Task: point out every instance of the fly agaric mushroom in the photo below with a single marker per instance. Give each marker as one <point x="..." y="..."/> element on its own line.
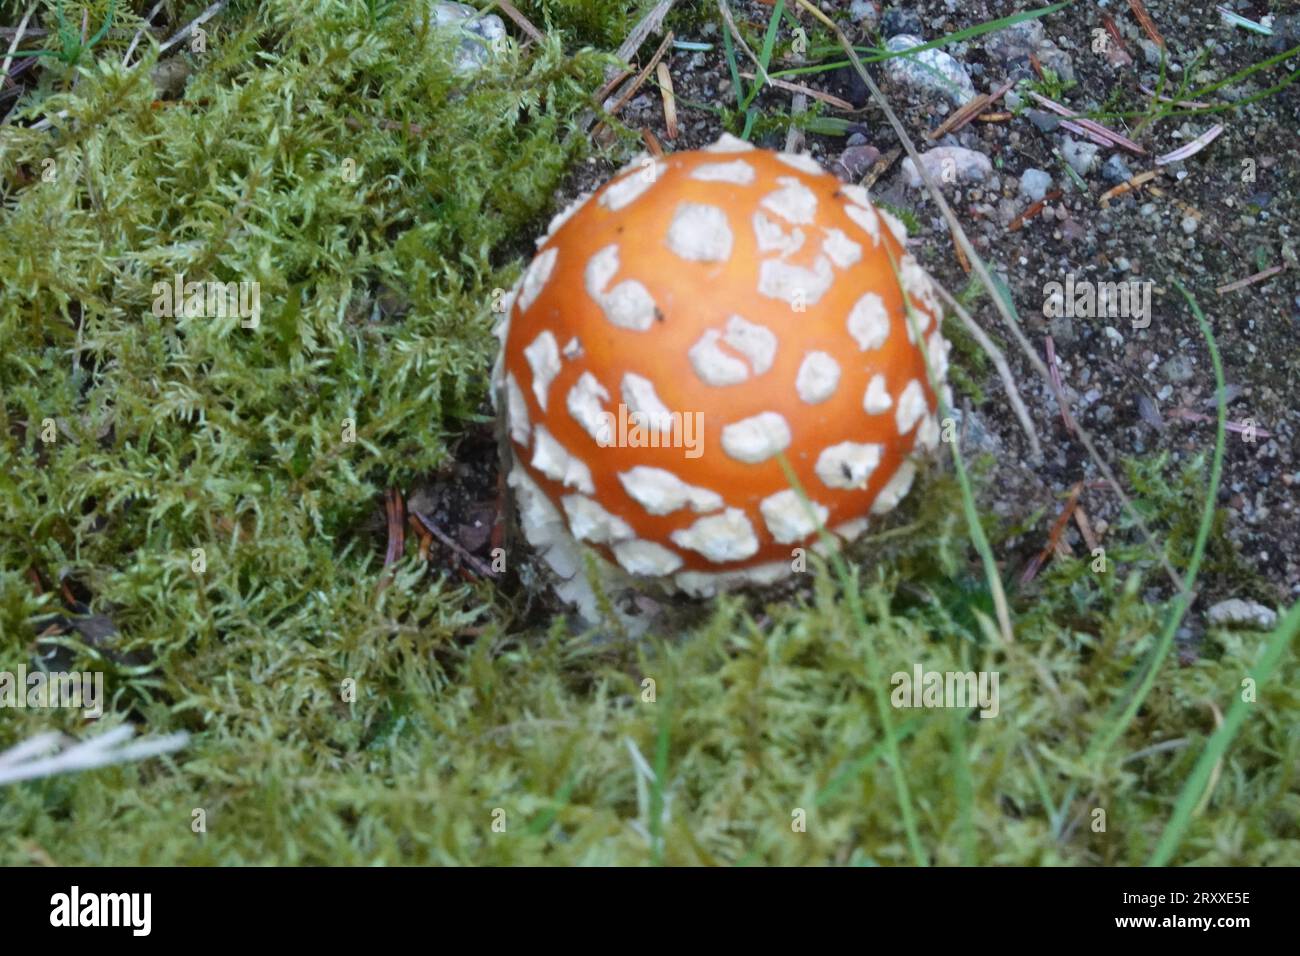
<point x="696" y="317"/>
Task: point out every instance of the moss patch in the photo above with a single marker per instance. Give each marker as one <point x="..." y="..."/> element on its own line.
<point x="327" y="152"/>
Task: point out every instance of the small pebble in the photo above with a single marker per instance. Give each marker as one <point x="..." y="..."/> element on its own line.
<point x="1081" y="156"/>
<point x="1236" y="612"/>
<point x="1034" y="184"/>
<point x="1116" y="171"/>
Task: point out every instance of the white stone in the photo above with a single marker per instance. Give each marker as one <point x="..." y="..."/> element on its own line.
<point x="1034" y="184"/>
<point x="1236" y="612"/>
<point x="931" y="69"/>
<point x="947" y="165"/>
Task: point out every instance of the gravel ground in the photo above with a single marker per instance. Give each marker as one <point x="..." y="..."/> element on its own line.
<point x="1222" y="215"/>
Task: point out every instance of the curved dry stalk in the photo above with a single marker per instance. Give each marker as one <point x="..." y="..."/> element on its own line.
<point x="999" y="360"/>
<point x="135" y="40"/>
<point x="18" y="35"/>
<point x="1218" y="763"/>
<point x="725" y="9"/>
<point x="46" y="755"/>
<point x="194" y="24"/>
<point x="981" y="270"/>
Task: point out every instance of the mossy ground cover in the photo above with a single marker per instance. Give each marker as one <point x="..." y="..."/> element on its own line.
<point x="326" y="151"/>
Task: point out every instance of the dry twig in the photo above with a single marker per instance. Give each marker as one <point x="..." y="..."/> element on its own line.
<point x="999" y="360"/>
<point x="479" y="567"/>
<point x="1250" y="280"/>
<point x="1032" y="210"/>
<point x="1145" y="21"/>
<point x="1055" y="537"/>
<point x="630" y="91"/>
<point x="964" y="114"/>
<point x="18" y="35"/>
<point x="139" y="33"/>
<point x="510" y="10"/>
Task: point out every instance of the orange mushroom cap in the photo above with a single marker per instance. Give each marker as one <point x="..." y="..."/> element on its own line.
<point x="696" y="316"/>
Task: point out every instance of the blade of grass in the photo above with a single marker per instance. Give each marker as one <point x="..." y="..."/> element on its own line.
<point x="848" y="580"/>
<point x="1221" y="740"/>
<point x="836" y="783"/>
<point x="969" y="508"/>
<point x="879" y="54"/>
<point x="765" y="54"/>
<point x="657" y="785"/>
<point x="542" y="822"/>
<point x="1183" y="94"/>
<point x="1055" y="814"/>
<point x="1112" y="730"/>
<point x="963" y="786"/>
<point x="729" y="53"/>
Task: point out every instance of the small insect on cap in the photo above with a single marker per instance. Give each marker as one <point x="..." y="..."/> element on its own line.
<point x="695" y="318"/>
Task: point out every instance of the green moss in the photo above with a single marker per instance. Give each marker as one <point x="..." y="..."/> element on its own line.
<point x="602" y="23"/>
<point x="173" y="434"/>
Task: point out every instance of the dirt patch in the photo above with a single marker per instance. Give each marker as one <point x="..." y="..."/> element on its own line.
<point x="1143" y="385"/>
